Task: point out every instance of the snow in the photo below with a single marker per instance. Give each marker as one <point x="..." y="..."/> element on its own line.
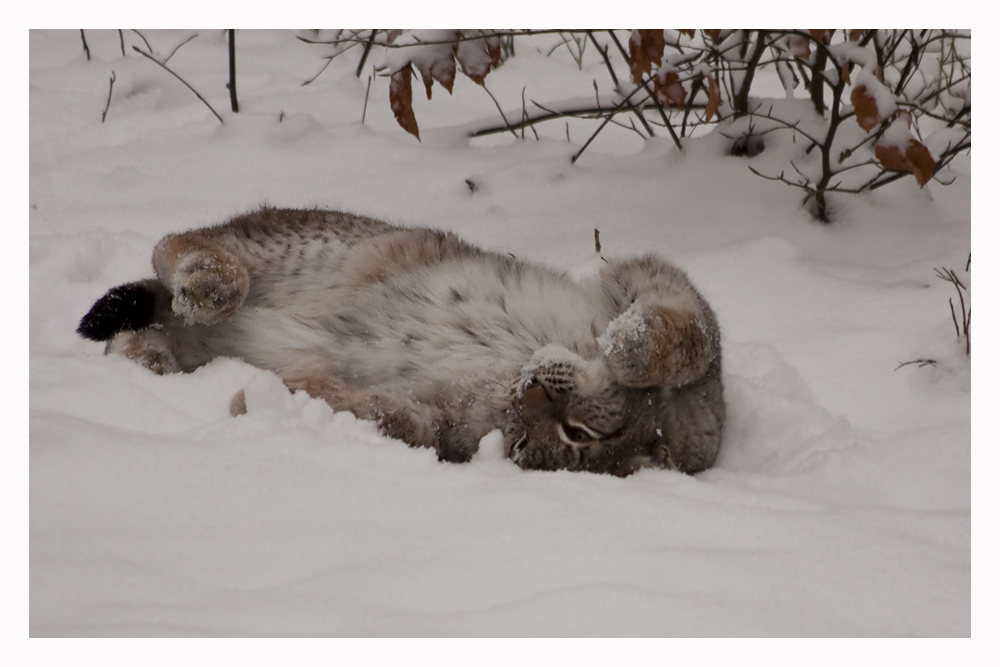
<point x="840" y="504"/>
<point x="630" y="325"/>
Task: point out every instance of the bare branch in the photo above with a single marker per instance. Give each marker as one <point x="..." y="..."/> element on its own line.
<point x="178" y="77"/>
<point x="108" y="105"/>
<point x="178" y="47"/>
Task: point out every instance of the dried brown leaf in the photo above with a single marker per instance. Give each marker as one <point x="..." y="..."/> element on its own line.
<point x="441" y="69"/>
<point x="401" y="100"/>
<point x="865" y="108"/>
<point x="645" y="49"/>
<point x="799" y="47"/>
<point x="822" y="36"/>
<point x="714" y="98"/>
<point x="845" y="73"/>
<point x="713" y="34"/>
<point x="478" y="56"/>
<point x="913" y="158"/>
<point x="669" y="90"/>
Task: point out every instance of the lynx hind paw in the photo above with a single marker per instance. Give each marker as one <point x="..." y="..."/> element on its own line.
<point x="657" y="346"/>
<point x="397" y="418"/>
<point x="209" y="286"/>
<point x="149" y="348"/>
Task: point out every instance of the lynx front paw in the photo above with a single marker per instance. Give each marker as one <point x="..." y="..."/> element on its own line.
<point x="208" y="286"/>
<point x="657" y="346"/>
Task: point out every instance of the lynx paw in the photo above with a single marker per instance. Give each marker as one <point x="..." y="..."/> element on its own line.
<point x="397" y="418"/>
<point x="148" y="347"/>
<point x="657" y="346"/>
<point x="553" y="366"/>
<point x="208" y="286"/>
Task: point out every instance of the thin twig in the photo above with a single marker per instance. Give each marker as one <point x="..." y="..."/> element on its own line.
<point x="108" y="105"/>
<point x="144" y="40"/>
<point x="920" y="363"/>
<point x="511" y="129"/>
<point x="949" y="276"/>
<point x="232" y="72"/>
<point x="178" y="77"/>
<point x="954" y="320"/>
<point x="364" y="56"/>
<point x="178" y="47"/>
<point x="454" y="40"/>
<point x="607" y="119"/>
<point x="86" y="49"/>
<point x="611" y="71"/>
<point x="364" y="111"/>
<point x="604" y="54"/>
<point x="329" y="59"/>
<point x="524" y="115"/>
<point x="652" y="95"/>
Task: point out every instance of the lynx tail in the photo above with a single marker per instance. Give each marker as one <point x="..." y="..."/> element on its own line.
<point x="128" y="307"/>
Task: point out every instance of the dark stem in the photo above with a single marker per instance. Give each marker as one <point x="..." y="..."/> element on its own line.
<point x="827" y="147"/>
<point x="178" y="77"/>
<point x="364" y="111"/>
<point x="818" y="79"/>
<point x="364" y="58"/>
<point x="455" y="40"/>
<point x="909" y="67"/>
<point x="604" y="54"/>
<point x="232" y="72"/>
<point x="652" y="96"/>
<point x="121" y="41"/>
<point x="920" y="363"/>
<point x="86" y="49"/>
<point x="108" y="105"/>
<point x="507" y="126"/>
<point x="144" y="40"/>
<point x="954" y="320"/>
<point x="695" y="89"/>
<point x="177" y="48"/>
<point x="741" y="103"/>
<point x="614" y="78"/>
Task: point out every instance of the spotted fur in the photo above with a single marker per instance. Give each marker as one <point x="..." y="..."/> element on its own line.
<point x="438" y="341"/>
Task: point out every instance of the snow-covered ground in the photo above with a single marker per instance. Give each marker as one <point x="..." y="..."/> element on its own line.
<point x="840" y="505"/>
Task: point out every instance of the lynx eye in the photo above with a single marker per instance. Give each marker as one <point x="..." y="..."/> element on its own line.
<point x="575" y="433"/>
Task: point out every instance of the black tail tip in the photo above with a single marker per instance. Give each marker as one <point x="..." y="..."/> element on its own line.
<point x="127" y="307"/>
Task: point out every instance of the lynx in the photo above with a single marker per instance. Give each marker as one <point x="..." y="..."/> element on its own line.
<point x="438" y="341"/>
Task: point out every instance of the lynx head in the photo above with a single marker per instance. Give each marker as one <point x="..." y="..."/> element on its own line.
<point x="569" y="413"/>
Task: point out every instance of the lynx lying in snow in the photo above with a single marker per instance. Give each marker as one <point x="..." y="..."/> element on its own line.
<point x="437" y="341"/>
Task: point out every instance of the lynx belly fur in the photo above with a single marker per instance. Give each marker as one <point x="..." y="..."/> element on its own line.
<point x="437" y="341"/>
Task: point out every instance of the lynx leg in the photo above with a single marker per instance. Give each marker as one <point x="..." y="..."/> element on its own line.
<point x="148" y="347"/>
<point x="658" y="346"/>
<point x="665" y="333"/>
<point x="696" y="415"/>
<point x="208" y="283"/>
<point x="410" y="422"/>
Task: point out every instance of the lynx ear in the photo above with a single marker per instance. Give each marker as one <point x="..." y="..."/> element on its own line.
<point x="656" y="345"/>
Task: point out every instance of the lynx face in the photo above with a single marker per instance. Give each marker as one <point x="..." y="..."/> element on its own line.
<point x="568" y="413"/>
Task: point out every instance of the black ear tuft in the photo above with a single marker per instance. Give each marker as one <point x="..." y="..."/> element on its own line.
<point x="128" y="307"/>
